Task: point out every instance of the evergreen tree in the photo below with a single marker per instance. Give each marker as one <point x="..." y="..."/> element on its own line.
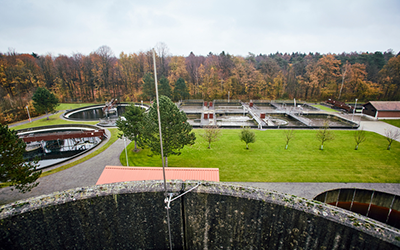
<point x="13" y="167"/>
<point x="44" y="101"/>
<point x="165" y="89"/>
<point x="176" y="131"/>
<point x="149" y="90"/>
<point x="181" y="91"/>
<point x="130" y="126"/>
<point x="247" y="136"/>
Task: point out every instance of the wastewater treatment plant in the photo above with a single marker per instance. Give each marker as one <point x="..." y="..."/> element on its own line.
<point x="204" y="215"/>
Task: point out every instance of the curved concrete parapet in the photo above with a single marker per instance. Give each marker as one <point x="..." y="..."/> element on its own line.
<point x="67" y="114"/>
<point x="132" y="215"/>
<point x="58" y="127"/>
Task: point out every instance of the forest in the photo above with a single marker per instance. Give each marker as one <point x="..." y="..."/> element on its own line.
<point x="101" y="76"/>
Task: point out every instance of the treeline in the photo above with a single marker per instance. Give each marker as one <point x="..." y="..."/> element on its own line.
<point x="100" y="76"/>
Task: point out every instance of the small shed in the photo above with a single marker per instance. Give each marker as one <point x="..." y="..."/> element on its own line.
<point x="113" y="174"/>
<point x="382" y="109"/>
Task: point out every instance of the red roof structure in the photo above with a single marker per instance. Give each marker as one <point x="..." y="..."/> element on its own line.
<point x="386" y="106"/>
<point x="113" y="174"/>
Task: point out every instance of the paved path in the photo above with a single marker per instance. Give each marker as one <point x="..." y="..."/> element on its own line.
<point x="87" y="173"/>
<point x="34" y="119"/>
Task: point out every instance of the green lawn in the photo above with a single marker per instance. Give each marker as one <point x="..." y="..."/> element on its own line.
<point x="67" y="106"/>
<point x="393" y="122"/>
<point x="53" y="120"/>
<point x="322" y="107"/>
<point x="268" y="161"/>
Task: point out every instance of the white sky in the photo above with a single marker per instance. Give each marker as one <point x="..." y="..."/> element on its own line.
<point x="203" y="26"/>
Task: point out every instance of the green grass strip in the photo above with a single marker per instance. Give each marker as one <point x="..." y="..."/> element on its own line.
<point x="53" y="120"/>
<point x="395" y="122"/>
<point x="322" y="107"/>
<point x="67" y="106"/>
<point x="268" y="161"/>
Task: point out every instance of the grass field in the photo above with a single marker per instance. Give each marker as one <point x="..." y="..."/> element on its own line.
<point x="268" y="161"/>
<point x="322" y="107"/>
<point x="393" y="122"/>
<point x="67" y="106"/>
<point x="53" y="120"/>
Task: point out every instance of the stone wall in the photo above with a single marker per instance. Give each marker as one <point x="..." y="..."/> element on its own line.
<point x="214" y="215"/>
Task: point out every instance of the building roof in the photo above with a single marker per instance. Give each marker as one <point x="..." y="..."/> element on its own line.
<point x="113" y="174"/>
<point x="385" y="106"/>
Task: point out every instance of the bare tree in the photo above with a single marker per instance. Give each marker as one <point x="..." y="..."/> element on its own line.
<point x="325" y="134"/>
<point x="162" y="55"/>
<point x="289" y="135"/>
<point x="359" y="137"/>
<point x="211" y="134"/>
<point x="391" y="135"/>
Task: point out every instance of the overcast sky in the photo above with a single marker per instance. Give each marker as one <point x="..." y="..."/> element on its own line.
<point x="236" y="27"/>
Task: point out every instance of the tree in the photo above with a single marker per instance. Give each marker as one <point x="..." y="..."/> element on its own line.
<point x="181" y="90"/>
<point x="247" y="136"/>
<point x="211" y="134"/>
<point x="359" y="137"/>
<point x="289" y="135"/>
<point x="13" y="167"/>
<point x="325" y="134"/>
<point x="130" y="126"/>
<point x="44" y="101"/>
<point x="391" y="135"/>
<point x="176" y="131"/>
<point x="165" y="89"/>
<point x="149" y="90"/>
<point x="390" y="76"/>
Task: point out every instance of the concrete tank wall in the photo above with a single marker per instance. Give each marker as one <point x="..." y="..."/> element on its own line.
<point x="214" y="215"/>
<point x="377" y="198"/>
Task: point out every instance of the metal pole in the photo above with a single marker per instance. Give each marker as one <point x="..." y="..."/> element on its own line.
<point x="162" y="151"/>
<point x="27" y="109"/>
<point x="126" y="153"/>
<point x="354" y="110"/>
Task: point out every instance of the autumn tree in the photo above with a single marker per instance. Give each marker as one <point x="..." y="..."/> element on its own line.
<point x="175" y="129"/>
<point x="13" y="167"/>
<point x="44" y="101"/>
<point x="390" y="77"/>
<point x="211" y="134"/>
<point x="324" y="134"/>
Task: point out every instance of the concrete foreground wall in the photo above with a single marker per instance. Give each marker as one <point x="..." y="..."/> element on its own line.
<point x="132" y="215"/>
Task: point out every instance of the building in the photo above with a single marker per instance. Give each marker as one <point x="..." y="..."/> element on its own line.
<point x="113" y="174"/>
<point x="382" y="109"/>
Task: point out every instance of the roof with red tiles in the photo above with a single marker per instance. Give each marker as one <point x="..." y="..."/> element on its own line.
<point x="113" y="174"/>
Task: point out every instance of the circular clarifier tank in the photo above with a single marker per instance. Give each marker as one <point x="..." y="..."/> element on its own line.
<point x="57" y="143"/>
<point x="132" y="215"/>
